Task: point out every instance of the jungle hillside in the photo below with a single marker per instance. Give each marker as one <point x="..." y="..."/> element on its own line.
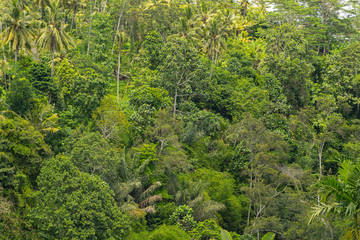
<point x="180" y="119"/>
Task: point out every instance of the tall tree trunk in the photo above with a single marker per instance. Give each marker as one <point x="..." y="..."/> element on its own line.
<point x="16" y="54"/>
<point x="250" y="190"/>
<point x="357" y="92"/>
<point x="216" y="56"/>
<point x="118" y="25"/>
<point x="212" y="64"/>
<point x="104" y="6"/>
<point x="118" y="73"/>
<point x="321" y="148"/>
<point x="42" y="9"/>
<point x="89" y="34"/>
<point x="52" y="62"/>
<point x="3" y="51"/>
<point x="175" y="102"/>
<point x="74" y="16"/>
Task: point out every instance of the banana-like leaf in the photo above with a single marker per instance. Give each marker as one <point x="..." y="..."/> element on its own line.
<point x="225" y="235"/>
<point x="268" y="236"/>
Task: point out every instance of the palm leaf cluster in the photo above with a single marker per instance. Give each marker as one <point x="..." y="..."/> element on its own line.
<point x="341" y="196"/>
<point x="132" y="190"/>
<point x="19" y="25"/>
<point x="195" y="196"/>
<point x="23" y="29"/>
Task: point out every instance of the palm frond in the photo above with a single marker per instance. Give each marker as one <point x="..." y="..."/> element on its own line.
<point x="150" y="200"/>
<point x="150" y="190"/>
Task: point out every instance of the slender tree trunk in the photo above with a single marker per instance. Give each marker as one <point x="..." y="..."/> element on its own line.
<point x="321" y="147"/>
<point x="175" y="102"/>
<point x="3" y="51"/>
<point x="216" y="56"/>
<point x="52" y="62"/>
<point x="118" y="73"/>
<point x="250" y="190"/>
<point x="89" y="34"/>
<point x="212" y="64"/>
<point x="104" y="6"/>
<point x="357" y="93"/>
<point x="74" y="16"/>
<point x="16" y="54"/>
<point x="118" y="25"/>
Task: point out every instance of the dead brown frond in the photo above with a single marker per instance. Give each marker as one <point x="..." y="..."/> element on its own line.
<point x="150" y="190"/>
<point x="151" y="200"/>
<point x="149" y="209"/>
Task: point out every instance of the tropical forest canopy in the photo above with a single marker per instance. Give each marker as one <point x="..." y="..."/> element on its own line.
<point x="174" y="119"/>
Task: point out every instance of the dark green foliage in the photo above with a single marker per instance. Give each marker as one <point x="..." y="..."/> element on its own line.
<point x="152" y="45"/>
<point x="88" y="92"/>
<point x="72" y="204"/>
<point x="93" y="154"/>
<point x="20" y="96"/>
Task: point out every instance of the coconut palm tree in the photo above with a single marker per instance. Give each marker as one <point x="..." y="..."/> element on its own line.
<point x="215" y="33"/>
<point x="188" y="29"/>
<point x="345" y="196"/>
<point x="205" y="12"/>
<point x="53" y="37"/>
<point x="19" y="25"/>
<point x="42" y="4"/>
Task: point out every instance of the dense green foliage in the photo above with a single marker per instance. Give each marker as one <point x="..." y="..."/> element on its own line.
<point x="179" y="119"/>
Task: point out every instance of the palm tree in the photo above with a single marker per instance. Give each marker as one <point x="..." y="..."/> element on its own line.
<point x="19" y="27"/>
<point x="215" y="33"/>
<point x="53" y="37"/>
<point x="42" y="4"/>
<point x="43" y="119"/>
<point x="187" y="29"/>
<point x="205" y="12"/>
<point x="75" y="4"/>
<point x="130" y="188"/>
<point x="345" y="193"/>
<point x="194" y="195"/>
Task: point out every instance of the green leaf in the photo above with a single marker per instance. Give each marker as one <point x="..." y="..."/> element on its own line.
<point x="268" y="236"/>
<point x="225" y="235"/>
